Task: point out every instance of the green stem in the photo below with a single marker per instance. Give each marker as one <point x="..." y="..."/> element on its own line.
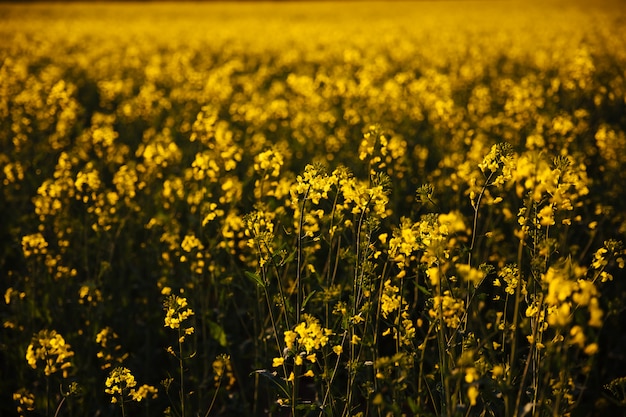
<point x="182" y="374"/>
<point x="531" y="356"/>
<point x="56" y="413"/>
<point x="516" y="308"/>
<point x="330" y="382"/>
<point x="443" y="360"/>
<point x="278" y="279"/>
<point x="217" y="389"/>
<point x="421" y="377"/>
<point x="294" y="390"/>
<point x="47" y="395"/>
<point x="475" y="222"/>
<point x="274" y="326"/>
<point x="356" y="296"/>
<point x="299" y="255"/>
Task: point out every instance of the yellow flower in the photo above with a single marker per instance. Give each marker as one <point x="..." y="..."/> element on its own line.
<point x="309" y="334"/>
<point x="290" y="338"/>
<point x="25" y="400"/>
<point x="591" y="349"/>
<point x="222" y="367"/>
<point x="119" y="380"/>
<point x="433" y="275"/>
<point x="546" y="215"/>
<point x="34" y="244"/>
<point x="390" y="300"/>
<point x="49" y="348"/>
<point x="276" y="362"/>
<point x="511" y="276"/>
<point x="497" y="371"/>
<point x="143" y="392"/>
<point x="577" y="336"/>
<point x="471" y="375"/>
<point x="595" y="313"/>
<point x="103" y="336"/>
<point x="560" y="315"/>
<point x="472" y="394"/>
<point x="450" y="307"/>
<point x="469" y="274"/>
<point x="121" y="383"/>
<point x="176" y="312"/>
<point x="599" y="260"/>
<point x="191" y="242"/>
<point x="269" y="163"/>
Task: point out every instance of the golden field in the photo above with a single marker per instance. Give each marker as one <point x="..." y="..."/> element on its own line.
<point x="312" y="208"/>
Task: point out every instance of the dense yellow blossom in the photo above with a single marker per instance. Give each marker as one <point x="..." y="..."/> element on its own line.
<point x="176" y="312"/>
<point x="25" y="401"/>
<point x="121" y="383"/>
<point x="223" y="370"/>
<point x="419" y="196"/>
<point x="447" y="309"/>
<point x="307" y="336"/>
<point x="390" y="300"/>
<point x="49" y="349"/>
<point x="34" y="244"/>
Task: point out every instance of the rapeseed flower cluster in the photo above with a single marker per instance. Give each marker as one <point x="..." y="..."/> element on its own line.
<point x="177" y="312"/>
<point x="34" y="244"/>
<point x="223" y="369"/>
<point x="565" y="294"/>
<point x="121" y="384"/>
<point x="447" y="309"/>
<point x="302" y="345"/>
<point x="25" y="401"/>
<point x="307" y="336"/>
<point x="110" y="352"/>
<point x="48" y="350"/>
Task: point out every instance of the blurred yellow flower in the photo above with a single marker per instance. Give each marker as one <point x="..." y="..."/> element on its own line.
<point x="49" y="349"/>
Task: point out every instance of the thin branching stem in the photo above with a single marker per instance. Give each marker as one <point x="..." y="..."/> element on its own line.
<point x="299" y="255"/>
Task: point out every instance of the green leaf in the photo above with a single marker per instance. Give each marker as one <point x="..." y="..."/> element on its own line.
<point x="273" y="376"/>
<point x="256" y="278"/>
<point x="288" y="259"/>
<point x="424" y="290"/>
<point x="217" y="333"/>
<point x="308" y="297"/>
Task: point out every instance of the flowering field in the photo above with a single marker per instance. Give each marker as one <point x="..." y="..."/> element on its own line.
<point x="320" y="209"/>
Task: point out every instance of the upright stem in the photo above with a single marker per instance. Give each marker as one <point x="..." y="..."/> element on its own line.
<point x="475" y="222"/>
<point x="443" y="372"/>
<point x="330" y="268"/>
<point x="275" y="328"/>
<point x="283" y="300"/>
<point x="299" y="256"/>
<point x="294" y="390"/>
<point x="531" y="358"/>
<point x="59" y="406"/>
<point x="518" y="296"/>
<point x="330" y="382"/>
<point x="356" y="295"/>
<point x="47" y="396"/>
<point x="122" y="404"/>
<point x="217" y="389"/>
<point x="182" y="374"/>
